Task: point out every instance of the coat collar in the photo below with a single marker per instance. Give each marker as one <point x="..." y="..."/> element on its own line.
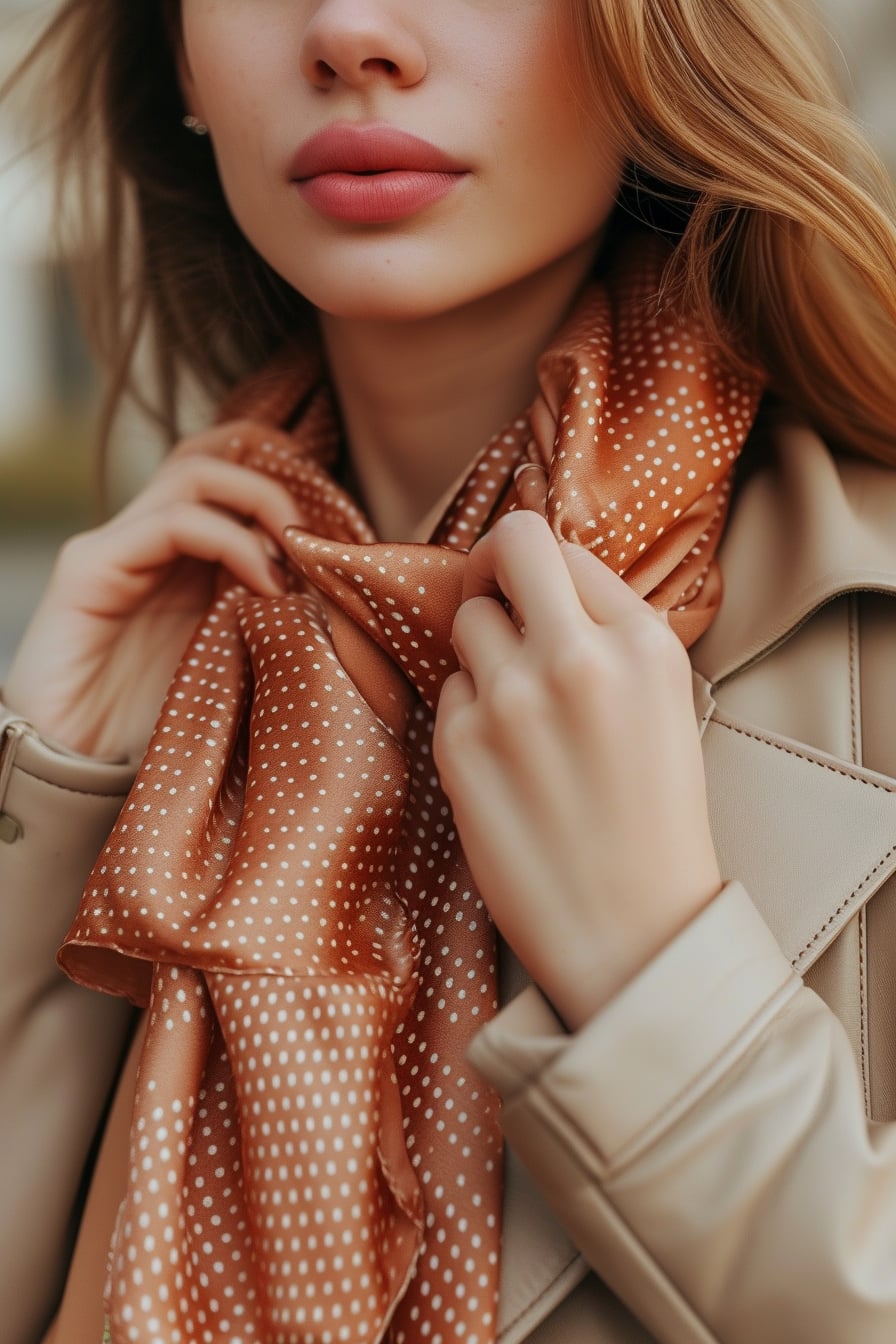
<point x="806" y="527"/>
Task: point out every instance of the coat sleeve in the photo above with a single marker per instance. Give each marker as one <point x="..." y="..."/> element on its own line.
<point x="704" y="1141"/>
<point x="60" y="1045"/>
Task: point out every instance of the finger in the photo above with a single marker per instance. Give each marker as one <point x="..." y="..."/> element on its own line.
<point x="543" y="419"/>
<point x="483" y="637"/>
<point x="243" y="492"/>
<point x="531" y="481"/>
<point x="150" y="545"/>
<point x="457" y="695"/>
<point x="606" y="598"/>
<point x="231" y="440"/>
<point x="458" y="692"/>
<point x="519" y="559"/>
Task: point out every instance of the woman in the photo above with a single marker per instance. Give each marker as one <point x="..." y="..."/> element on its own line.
<point x="468" y="213"/>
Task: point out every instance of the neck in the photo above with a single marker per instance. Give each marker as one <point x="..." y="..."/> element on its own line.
<point x="419" y="399"/>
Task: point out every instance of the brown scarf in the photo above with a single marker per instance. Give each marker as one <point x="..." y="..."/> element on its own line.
<point x="311" y="1157"/>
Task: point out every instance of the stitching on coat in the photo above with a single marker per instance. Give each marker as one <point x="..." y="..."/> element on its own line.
<point x="577" y="1255"/>
<point x="840" y="908"/>
<point x="835" y="770"/>
<point x="804" y="756"/>
<point x="863" y="1013"/>
<point x="852" y="617"/>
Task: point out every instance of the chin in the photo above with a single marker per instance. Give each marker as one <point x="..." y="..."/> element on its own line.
<point x="368" y="302"/>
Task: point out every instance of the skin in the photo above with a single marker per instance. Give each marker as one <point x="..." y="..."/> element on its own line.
<point x="568" y="747"/>
<point x="464" y="295"/>
<point x="266" y="75"/>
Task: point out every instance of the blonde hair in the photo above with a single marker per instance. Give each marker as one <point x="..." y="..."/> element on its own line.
<point x="739" y="148"/>
<point x="789" y="247"/>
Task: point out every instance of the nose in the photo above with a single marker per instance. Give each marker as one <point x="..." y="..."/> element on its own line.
<point x="360" y="43"/>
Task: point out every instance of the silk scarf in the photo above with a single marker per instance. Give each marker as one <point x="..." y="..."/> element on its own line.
<point x="312" y="1159"/>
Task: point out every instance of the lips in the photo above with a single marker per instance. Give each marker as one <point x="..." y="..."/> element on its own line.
<point x="346" y="147"/>
<point x="373" y="173"/>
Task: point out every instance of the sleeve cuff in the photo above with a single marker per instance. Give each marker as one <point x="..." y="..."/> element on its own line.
<point x="22" y="748"/>
<point x="659" y="1043"/>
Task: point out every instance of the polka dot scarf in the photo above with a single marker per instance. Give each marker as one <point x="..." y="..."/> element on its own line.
<point x="312" y="1160"/>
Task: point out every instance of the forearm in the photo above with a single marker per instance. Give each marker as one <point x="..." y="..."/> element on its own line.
<point x="59" y="1044"/>
<point x="705" y="1143"/>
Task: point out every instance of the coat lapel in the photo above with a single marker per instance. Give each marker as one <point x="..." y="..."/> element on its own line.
<point x="812" y="836"/>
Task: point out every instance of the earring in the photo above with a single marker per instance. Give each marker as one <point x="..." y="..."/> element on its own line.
<point x="195" y="125"/>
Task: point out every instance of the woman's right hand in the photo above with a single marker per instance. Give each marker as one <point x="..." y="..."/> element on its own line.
<point x="123" y="599"/>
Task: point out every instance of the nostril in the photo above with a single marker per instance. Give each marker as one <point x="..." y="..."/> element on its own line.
<point x="324" y="73"/>
<point x="380" y="64"/>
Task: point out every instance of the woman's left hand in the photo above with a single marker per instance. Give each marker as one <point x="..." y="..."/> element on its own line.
<point x="570" y="752"/>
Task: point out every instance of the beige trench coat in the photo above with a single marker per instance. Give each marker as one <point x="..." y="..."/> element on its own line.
<point x="712" y="1159"/>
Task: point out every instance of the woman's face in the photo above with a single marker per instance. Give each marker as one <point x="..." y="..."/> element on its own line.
<point x="511" y="178"/>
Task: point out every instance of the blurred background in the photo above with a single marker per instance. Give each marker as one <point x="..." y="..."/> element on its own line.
<point x="48" y="387"/>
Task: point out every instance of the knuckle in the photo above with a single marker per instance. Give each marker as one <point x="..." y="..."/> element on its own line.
<point x="75" y="551"/>
<point x="575" y="665"/>
<point x="656" y="656"/>
<point x="653" y="639"/>
<point x="182" y="451"/>
<point x="180" y="516"/>
<point x="177" y="472"/>
<point x="229" y="435"/>
<point x="180" y="468"/>
<point x="510" y="694"/>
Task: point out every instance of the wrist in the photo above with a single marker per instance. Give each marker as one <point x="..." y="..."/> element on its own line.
<point x="595" y="964"/>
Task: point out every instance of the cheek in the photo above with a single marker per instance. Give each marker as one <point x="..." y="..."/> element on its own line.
<point x="235" y="101"/>
<point x="567" y="177"/>
<point x="573" y="157"/>
<point x="234" y="71"/>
